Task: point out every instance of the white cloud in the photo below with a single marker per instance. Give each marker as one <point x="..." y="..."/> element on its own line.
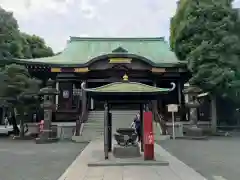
<point x="87" y="9"/>
<point x="27" y="8"/>
<point x="18" y="7"/>
<point x="83" y="35"/>
<point x="55" y="20"/>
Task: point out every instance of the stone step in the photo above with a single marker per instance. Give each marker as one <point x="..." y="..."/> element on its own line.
<point x="113" y="115"/>
<point x="95" y="124"/>
<point x="102" y="114"/>
<point x="93" y="127"/>
<point x="114" y="119"/>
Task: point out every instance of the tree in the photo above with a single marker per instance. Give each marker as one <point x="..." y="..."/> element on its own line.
<point x="176" y="20"/>
<point x="35" y="47"/>
<point x="10" y="38"/>
<point x="15" y="44"/>
<point x="205" y="33"/>
<point x="18" y="89"/>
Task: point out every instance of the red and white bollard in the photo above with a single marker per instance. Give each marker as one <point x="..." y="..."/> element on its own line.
<point x="148" y="136"/>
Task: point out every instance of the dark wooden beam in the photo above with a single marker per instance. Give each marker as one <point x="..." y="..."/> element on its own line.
<point x="109" y="80"/>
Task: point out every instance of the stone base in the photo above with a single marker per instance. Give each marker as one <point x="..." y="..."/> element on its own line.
<point x="194" y="137"/>
<point x="138" y="161"/>
<point x="162" y="137"/>
<point x="22" y="138"/>
<point x="46" y="141"/>
<point x="194" y="131"/>
<point x="126" y="151"/>
<point x="80" y="139"/>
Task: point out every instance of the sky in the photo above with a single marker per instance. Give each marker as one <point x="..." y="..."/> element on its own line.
<point x="57" y="20"/>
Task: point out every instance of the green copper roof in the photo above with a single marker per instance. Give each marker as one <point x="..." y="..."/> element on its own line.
<point x="80" y="51"/>
<point x="127" y="87"/>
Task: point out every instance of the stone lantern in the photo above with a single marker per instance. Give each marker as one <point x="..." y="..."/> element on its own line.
<point x="192" y="103"/>
<point x="48" y="93"/>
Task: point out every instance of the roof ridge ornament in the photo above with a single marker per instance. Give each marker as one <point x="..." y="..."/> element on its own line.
<point x="125" y="77"/>
<point x="120" y="50"/>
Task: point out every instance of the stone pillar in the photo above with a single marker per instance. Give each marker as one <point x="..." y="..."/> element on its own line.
<point x="179" y="89"/>
<point x="84" y="98"/>
<point x="57" y="96"/>
<point x="213" y="114"/>
<point x="181" y="101"/>
<point x="91" y="104"/>
<point x="80" y="120"/>
<point x="47" y="115"/>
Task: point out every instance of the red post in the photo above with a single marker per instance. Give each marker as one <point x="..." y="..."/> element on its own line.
<point x="148" y="136"/>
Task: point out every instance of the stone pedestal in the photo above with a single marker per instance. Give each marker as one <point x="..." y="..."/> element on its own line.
<point x="126" y="151"/>
<point x="194" y="131"/>
<point x="46" y="140"/>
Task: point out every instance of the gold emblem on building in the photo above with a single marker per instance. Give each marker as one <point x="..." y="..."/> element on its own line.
<point x="120" y="61"/>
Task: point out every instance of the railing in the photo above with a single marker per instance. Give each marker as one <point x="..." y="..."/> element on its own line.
<point x="63" y="107"/>
<point x="161" y="122"/>
<point x="80" y="123"/>
<point x="82" y="119"/>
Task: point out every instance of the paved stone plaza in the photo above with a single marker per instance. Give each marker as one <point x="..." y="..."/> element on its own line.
<point x="25" y="160"/>
<point x="79" y="169"/>
<point x="217" y="158"/>
<point x="214" y="159"/>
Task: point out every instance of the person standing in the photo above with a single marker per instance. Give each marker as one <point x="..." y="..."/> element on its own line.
<point x="137" y="124"/>
<point x="6" y="122"/>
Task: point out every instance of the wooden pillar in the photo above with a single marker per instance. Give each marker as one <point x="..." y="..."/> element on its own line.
<point x="141" y="121"/>
<point x="109" y="130"/>
<point x="106" y="146"/>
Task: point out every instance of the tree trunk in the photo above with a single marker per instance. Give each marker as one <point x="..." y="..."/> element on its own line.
<point x="21" y="125"/>
<point x="14" y="123"/>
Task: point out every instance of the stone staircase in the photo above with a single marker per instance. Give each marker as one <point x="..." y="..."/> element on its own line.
<point x="94" y="127"/>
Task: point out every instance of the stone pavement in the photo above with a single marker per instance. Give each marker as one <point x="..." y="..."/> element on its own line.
<point x="79" y="169"/>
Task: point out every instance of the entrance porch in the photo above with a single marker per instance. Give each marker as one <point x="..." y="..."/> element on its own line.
<point x="124" y="91"/>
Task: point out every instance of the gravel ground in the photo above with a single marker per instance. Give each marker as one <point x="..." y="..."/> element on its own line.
<point x="219" y="156"/>
<point x="25" y="160"/>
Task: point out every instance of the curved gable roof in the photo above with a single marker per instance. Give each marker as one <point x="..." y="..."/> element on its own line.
<point x="80" y="51"/>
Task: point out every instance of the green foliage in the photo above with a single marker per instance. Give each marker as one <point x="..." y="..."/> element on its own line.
<point x="205" y="33"/>
<point x="10" y="45"/>
<point x="18" y="91"/>
<point x="176" y="20"/>
<point x="15" y="44"/>
<point x="35" y="47"/>
<point x="16" y="82"/>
